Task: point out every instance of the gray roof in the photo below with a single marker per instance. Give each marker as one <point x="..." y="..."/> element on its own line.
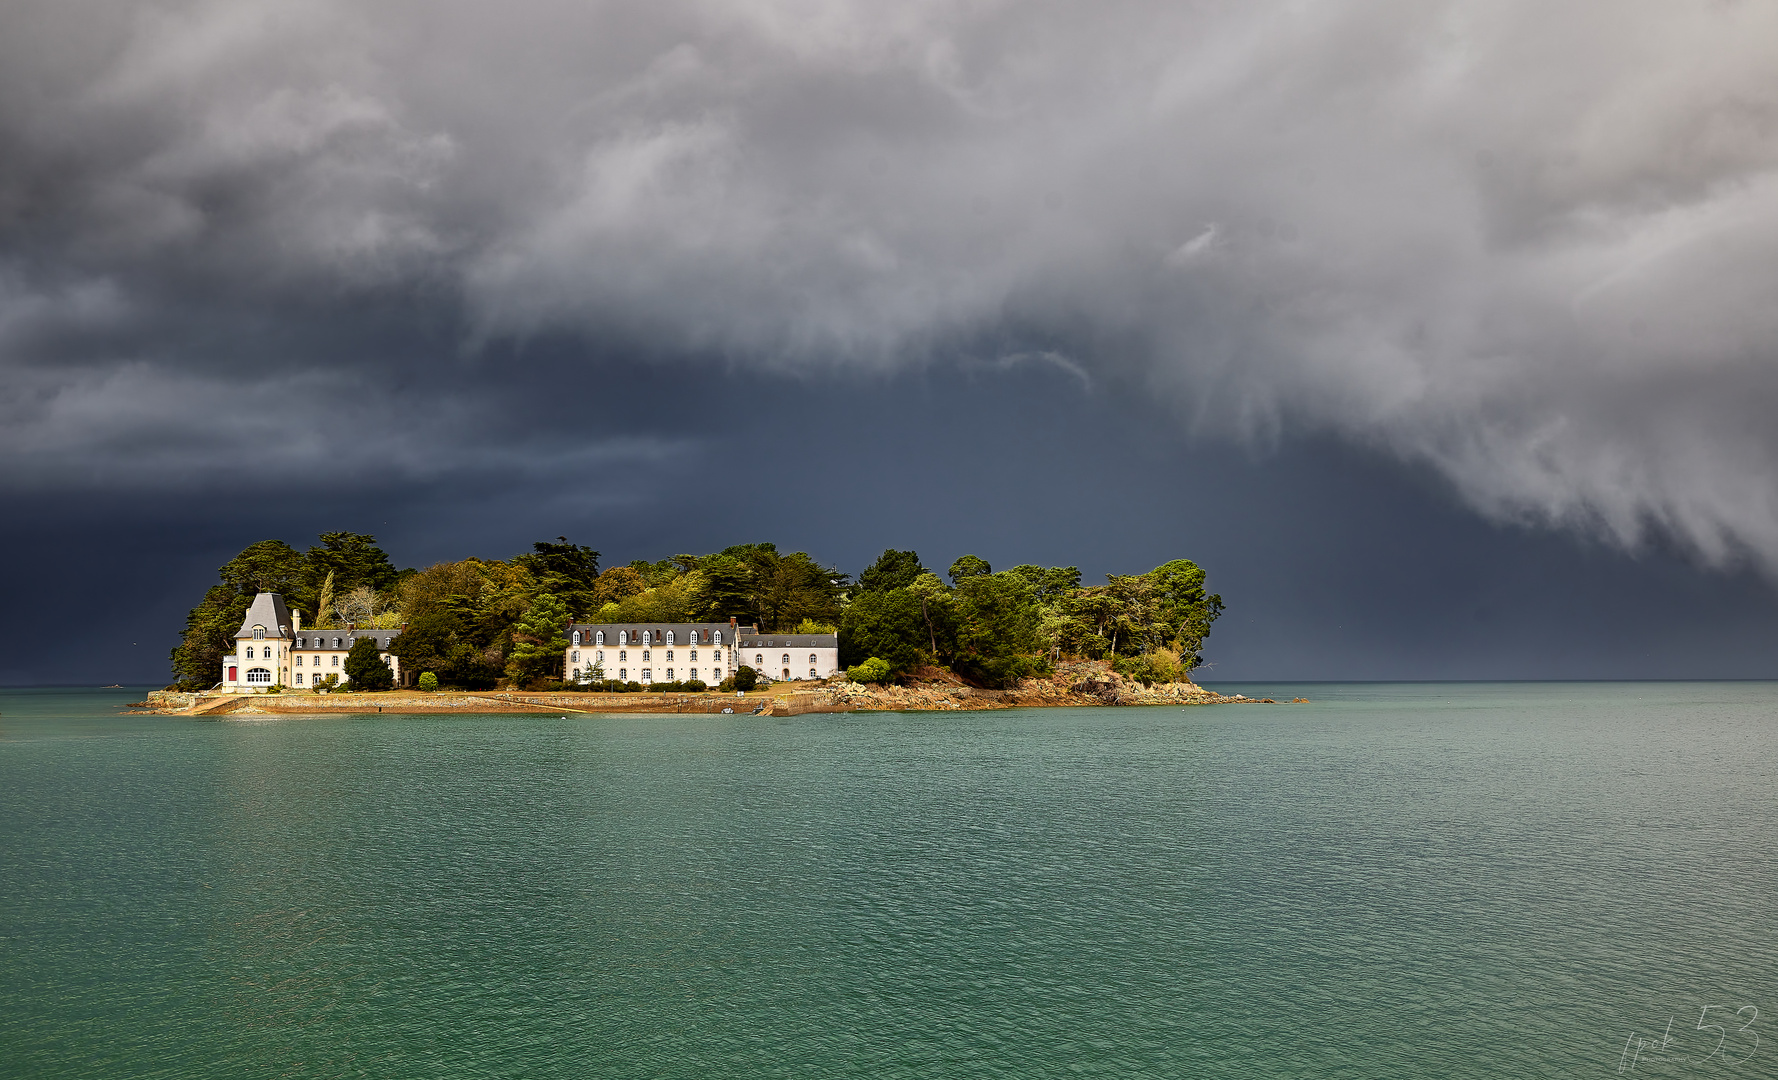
<point x="267" y="610"/>
<point x="790" y="641"/>
<point x="681" y="631"/>
<point x="323" y="637"/>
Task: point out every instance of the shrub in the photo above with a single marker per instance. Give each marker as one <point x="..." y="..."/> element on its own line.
<point x="632" y="687"/>
<point x="365" y="667"/>
<point x="873" y="670"/>
<point x="745" y="678"/>
<point x="1160" y="666"/>
<point x="727" y="685"/>
<point x="428" y="681"/>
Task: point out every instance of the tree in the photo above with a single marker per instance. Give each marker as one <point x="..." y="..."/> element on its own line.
<point x="570" y="571"/>
<point x="887" y="625"/>
<point x="428" y="681"/>
<point x="365" y="667"/>
<point x="746" y="678"/>
<point x="324" y="603"/>
<point x="997" y="628"/>
<point x="969" y="566"/>
<point x="353" y="559"/>
<point x="266" y="566"/>
<point x="539" y="641"/>
<point x="1184" y="608"/>
<point x="892" y="570"/>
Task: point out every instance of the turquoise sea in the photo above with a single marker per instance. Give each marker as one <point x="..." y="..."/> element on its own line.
<point x="1493" y="880"/>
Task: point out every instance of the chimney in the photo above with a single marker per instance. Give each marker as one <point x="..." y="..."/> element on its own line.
<point x="296" y="621"/>
<point x="731" y="624"/>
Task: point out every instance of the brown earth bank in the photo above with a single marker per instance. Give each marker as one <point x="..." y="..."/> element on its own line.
<point x="1074" y="683"/>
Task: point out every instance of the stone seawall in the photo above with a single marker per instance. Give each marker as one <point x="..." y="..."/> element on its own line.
<point x="1079" y="683"/>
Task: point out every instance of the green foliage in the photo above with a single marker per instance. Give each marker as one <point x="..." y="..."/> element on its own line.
<point x="997" y="624"/>
<point x="428" y="681"/>
<point x="969" y="566"/>
<point x="689" y="686"/>
<point x="331" y="682"/>
<point x="745" y="678"/>
<point x="443" y="641"/>
<point x="873" y="670"/>
<point x="365" y="669"/>
<point x="888" y="625"/>
<point x="569" y="571"/>
<point x="1159" y="666"/>
<point x="892" y="570"/>
<point x="810" y="626"/>
<point x="352" y="558"/>
<point x="539" y="641"/>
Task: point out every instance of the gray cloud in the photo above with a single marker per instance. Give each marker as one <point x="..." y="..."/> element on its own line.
<point x="1533" y="247"/>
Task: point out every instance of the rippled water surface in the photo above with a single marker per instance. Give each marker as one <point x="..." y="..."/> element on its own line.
<point x="1426" y="880"/>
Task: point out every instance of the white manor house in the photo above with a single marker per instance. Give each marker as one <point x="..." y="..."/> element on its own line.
<point x="709" y="652"/>
<point x="272" y="648"/>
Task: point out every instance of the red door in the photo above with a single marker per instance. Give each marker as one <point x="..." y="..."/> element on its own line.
<point x="231" y="674"/>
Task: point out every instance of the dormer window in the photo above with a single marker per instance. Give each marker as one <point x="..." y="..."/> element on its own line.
<point x="577" y="637"/>
<point x="599" y="637"/>
<point x="719" y="637"/>
<point x="669" y="637"/>
<point x="258" y="633"/>
<point x="647" y="637"/>
<point x="623" y="637"/>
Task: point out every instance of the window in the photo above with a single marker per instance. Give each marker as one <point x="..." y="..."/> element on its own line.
<point x="623" y="674"/>
<point x="600" y="656"/>
<point x="694" y="654"/>
<point x="299" y="661"/>
<point x="258" y="635"/>
<point x="669" y="641"/>
<point x="575" y="655"/>
<point x="669" y="674"/>
<point x="669" y="654"/>
<point x="759" y="661"/>
<point x="259" y="675"/>
<point x="599" y="638"/>
<point x="623" y="637"/>
<point x="336" y="661"/>
<point x="812" y="660"/>
<point x="299" y="678"/>
<point x="249" y="652"/>
<point x="647" y="637"/>
<point x="647" y="653"/>
<point x="692" y="674"/>
<point x="577" y="637"/>
<point x="623" y="654"/>
<point x="336" y="643"/>
<point x="812" y="674"/>
<point x="786" y="659"/>
<point x="576" y="675"/>
<point x="647" y="676"/>
<point x="719" y="637"/>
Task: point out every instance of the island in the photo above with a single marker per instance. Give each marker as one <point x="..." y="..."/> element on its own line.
<point x="745" y="629"/>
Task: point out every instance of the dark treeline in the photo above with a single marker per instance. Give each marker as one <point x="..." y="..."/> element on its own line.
<point x="480" y="622"/>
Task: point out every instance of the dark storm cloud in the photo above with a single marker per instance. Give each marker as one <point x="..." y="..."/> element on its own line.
<point x="1531" y="247"/>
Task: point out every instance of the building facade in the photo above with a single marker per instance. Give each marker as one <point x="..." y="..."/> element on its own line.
<point x="272" y="649"/>
<point x="680" y="652"/>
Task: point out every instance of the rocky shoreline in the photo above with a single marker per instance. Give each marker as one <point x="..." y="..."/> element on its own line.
<point x="1073" y="684"/>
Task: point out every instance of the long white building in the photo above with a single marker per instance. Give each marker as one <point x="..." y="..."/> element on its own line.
<point x="680" y="652"/>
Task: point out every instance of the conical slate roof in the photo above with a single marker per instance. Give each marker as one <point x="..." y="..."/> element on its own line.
<point x="267" y="610"/>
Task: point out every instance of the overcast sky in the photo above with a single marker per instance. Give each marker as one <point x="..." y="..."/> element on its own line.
<point x="1443" y="334"/>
